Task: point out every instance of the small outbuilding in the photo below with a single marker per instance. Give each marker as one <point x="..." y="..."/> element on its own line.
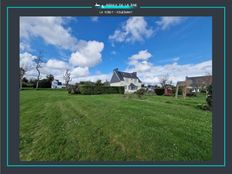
<point x="168" y="90"/>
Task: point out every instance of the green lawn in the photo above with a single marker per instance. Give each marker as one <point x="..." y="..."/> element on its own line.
<point x="56" y="126"/>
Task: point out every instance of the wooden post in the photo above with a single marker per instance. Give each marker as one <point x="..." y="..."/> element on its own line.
<point x="177" y="88"/>
<point x="185" y="89"/>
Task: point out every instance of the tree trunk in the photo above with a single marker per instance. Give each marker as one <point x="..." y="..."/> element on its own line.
<point x="37" y="83"/>
<point x="21" y="84"/>
<point x="184" y="92"/>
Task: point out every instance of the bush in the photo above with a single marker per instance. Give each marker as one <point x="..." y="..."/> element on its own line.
<point x="180" y="90"/>
<point x="209" y="97"/>
<point x="95" y="90"/>
<point x="191" y="94"/>
<point x="209" y="100"/>
<point x="27" y="85"/>
<point x="203" y="106"/>
<point x="140" y="92"/>
<point x="44" y="83"/>
<point x="203" y="91"/>
<point x="73" y="89"/>
<point x="159" y="91"/>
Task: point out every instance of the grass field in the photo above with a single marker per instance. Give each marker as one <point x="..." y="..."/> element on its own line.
<point x="56" y="126"/>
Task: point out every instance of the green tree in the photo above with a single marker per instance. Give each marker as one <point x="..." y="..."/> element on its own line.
<point x="22" y="73"/>
<point x="50" y="77"/>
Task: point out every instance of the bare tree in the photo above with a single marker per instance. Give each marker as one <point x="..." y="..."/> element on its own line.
<point x="22" y="73"/>
<point x="67" y="77"/>
<point x="164" y="80"/>
<point x="38" y="61"/>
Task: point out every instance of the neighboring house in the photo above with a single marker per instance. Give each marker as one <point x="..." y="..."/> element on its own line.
<point x="149" y="88"/>
<point x="195" y="84"/>
<point x="198" y="83"/>
<point x="168" y="91"/>
<point x="130" y="81"/>
<point x="56" y="84"/>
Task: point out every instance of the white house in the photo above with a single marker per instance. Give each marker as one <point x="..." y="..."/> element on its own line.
<point x="56" y="84"/>
<point x="130" y="81"/>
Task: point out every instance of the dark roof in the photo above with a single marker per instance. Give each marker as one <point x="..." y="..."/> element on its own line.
<point x="181" y="83"/>
<point x="199" y="80"/>
<point x="121" y="75"/>
<point x="196" y="81"/>
<point x="132" y="85"/>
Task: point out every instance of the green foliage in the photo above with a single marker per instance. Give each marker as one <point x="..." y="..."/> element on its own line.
<point x="25" y="80"/>
<point x="140" y="92"/>
<point x="98" y="83"/>
<point x="191" y="94"/>
<point x="45" y="83"/>
<point x="27" y="85"/>
<point x="95" y="90"/>
<point x="203" y="106"/>
<point x="50" y="77"/>
<point x="209" y="97"/>
<point x="73" y="89"/>
<point x="159" y="91"/>
<point x="87" y="83"/>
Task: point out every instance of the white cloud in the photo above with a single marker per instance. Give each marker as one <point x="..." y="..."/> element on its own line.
<point x="50" y="29"/>
<point x="135" y="29"/>
<point x="26" y="60"/>
<point x="168" y="21"/>
<point x="80" y="72"/>
<point x="151" y="74"/>
<point x="141" y="55"/>
<point x="25" y="47"/>
<point x="52" y="66"/>
<point x="175" y="59"/>
<point x="94" y="18"/>
<point x="56" y="64"/>
<point x="88" y="54"/>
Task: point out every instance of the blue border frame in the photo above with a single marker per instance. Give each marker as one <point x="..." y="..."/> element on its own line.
<point x="112" y="165"/>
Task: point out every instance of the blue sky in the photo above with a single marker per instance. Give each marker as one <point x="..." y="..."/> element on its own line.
<point x="91" y="47"/>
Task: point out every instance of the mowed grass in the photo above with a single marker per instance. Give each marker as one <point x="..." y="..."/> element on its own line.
<point x="56" y="126"/>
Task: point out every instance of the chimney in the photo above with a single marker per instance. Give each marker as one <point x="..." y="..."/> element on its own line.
<point x="116" y="69"/>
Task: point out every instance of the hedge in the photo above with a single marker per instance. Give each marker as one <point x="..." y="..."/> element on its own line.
<point x="209" y="97"/>
<point x="95" y="90"/>
<point x="159" y="91"/>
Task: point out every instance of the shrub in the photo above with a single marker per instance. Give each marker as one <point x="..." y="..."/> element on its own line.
<point x="180" y="90"/>
<point x="159" y="91"/>
<point x="27" y="85"/>
<point x="203" y="91"/>
<point x="203" y="106"/>
<point x="95" y="90"/>
<point x="140" y="92"/>
<point x="191" y="94"/>
<point x="73" y="89"/>
<point x="209" y="96"/>
<point x="44" y="83"/>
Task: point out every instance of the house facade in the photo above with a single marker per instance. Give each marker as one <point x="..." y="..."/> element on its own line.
<point x="56" y="84"/>
<point x="195" y="84"/>
<point x="130" y="81"/>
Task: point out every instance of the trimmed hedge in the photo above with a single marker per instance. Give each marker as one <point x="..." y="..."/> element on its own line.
<point x="96" y="90"/>
<point x="159" y="91"/>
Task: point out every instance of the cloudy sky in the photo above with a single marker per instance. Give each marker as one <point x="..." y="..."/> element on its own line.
<point x="91" y="47"/>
